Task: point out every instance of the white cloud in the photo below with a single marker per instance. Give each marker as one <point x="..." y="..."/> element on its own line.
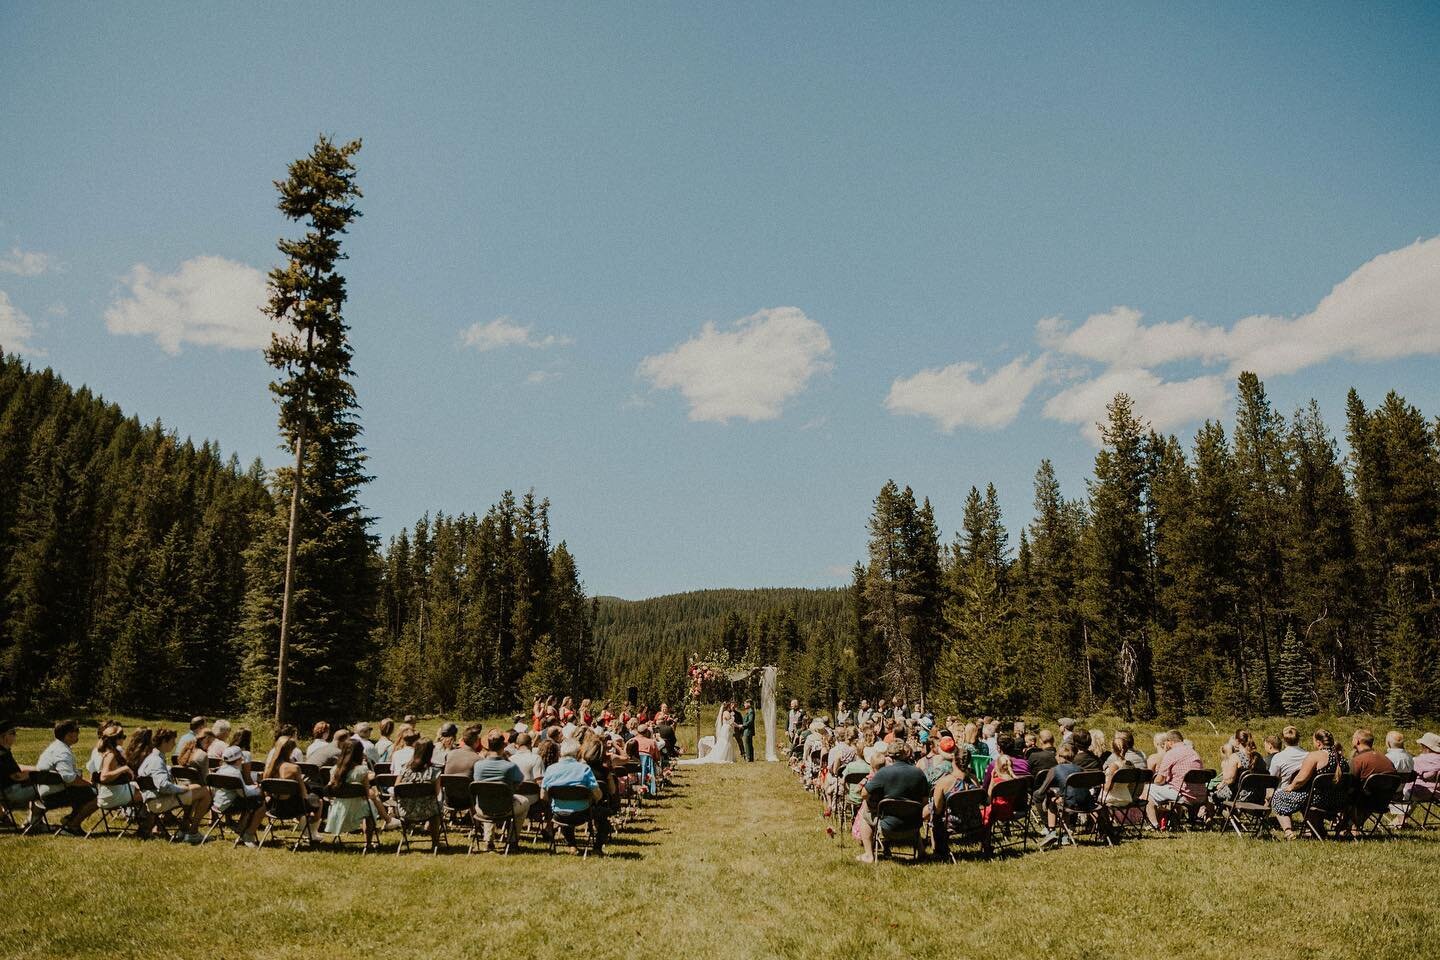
<point x="26" y="263"/>
<point x="1166" y="404"/>
<point x="953" y="397"/>
<point x="16" y="329"/>
<point x="504" y="332"/>
<point x="1119" y="339"/>
<point x="746" y="372"/>
<point x="1386" y="309"/>
<point x="537" y="377"/>
<point x="208" y="302"/>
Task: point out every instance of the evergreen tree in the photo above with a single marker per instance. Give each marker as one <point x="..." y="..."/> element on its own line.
<point x="1262" y="470"/>
<point x="1292" y="676"/>
<point x="307" y="637"/>
<point x="1115" y="584"/>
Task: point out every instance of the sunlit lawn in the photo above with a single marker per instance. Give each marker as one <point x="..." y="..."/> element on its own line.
<point x="733" y="862"/>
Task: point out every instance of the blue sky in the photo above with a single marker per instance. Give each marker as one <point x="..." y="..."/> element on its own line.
<point x="927" y="242"/>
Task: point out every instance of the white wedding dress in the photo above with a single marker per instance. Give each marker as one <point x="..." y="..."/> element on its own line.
<point x="723" y="750"/>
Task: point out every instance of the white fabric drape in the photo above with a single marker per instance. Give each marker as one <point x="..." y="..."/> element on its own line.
<point x="767" y="703"/>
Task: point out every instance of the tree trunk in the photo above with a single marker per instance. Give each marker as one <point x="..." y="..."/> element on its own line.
<point x="289" y="573"/>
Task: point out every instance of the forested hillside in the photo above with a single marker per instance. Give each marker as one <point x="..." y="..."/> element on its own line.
<point x="121" y="555"/>
<point x="646" y="643"/>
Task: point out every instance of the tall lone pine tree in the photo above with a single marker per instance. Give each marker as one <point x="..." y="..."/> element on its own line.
<point x="312" y="573"/>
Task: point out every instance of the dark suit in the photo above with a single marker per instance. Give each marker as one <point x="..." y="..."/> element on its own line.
<point x="747" y="733"/>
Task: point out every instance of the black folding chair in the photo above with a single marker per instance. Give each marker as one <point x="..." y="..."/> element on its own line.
<point x="351" y="791"/>
<point x="844" y="809"/>
<point x="1373" y="801"/>
<point x="910" y="833"/>
<point x="964" y="821"/>
<point x="1081" y="819"/>
<point x="1424" y="800"/>
<point x="1247" y="812"/>
<point x="1183" y="813"/>
<point x="493" y="805"/>
<point x="286" y="809"/>
<point x="416" y="791"/>
<point x="1009" y="815"/>
<point x="455" y="799"/>
<point x="222" y="820"/>
<point x="1326" y="804"/>
<point x="115" y="820"/>
<point x="577" y="819"/>
<point x="1127" y="820"/>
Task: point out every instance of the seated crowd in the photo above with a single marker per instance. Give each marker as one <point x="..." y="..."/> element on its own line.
<point x="870" y="755"/>
<point x="345" y="778"/>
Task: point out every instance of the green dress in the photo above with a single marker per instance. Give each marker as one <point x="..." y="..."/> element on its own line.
<point x="348" y="813"/>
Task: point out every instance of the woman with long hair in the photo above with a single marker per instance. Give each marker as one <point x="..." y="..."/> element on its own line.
<point x="242" y="738"/>
<point x="165" y="794"/>
<point x="416" y="809"/>
<point x="1320" y="772"/>
<point x="114" y="777"/>
<point x="349" y="813"/>
<point x="280" y="765"/>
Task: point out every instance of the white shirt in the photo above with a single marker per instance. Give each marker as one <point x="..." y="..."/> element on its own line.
<point x="155" y="767"/>
<point x="529" y="762"/>
<point x="61" y="759"/>
<point x="400" y="757"/>
<point x="1403" y="762"/>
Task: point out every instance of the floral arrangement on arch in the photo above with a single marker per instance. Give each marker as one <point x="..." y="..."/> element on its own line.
<point x="713" y="668"/>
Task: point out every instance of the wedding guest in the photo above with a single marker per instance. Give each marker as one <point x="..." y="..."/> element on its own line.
<point x="569" y="771"/>
<point x="14" y="779"/>
<point x="444" y="743"/>
<point x="190" y="798"/>
<point x="196" y="724"/>
<point x="419" y="769"/>
<point x="321" y="741"/>
<point x="492" y="767"/>
<point x="1366" y="760"/>
<point x="1042" y="757"/>
<point x="384" y="747"/>
<point x="532" y="768"/>
<point x="76" y="793"/>
<point x="221" y="739"/>
<point x="898" y="779"/>
<point x="362" y="733"/>
<point x="463" y="757"/>
<point x="1321" y="771"/>
<point x="1085" y="759"/>
<point x="280" y="764"/>
<point x="245" y="801"/>
<point x="1285" y="764"/>
<point x="329" y="753"/>
<point x="241" y="738"/>
<point x="1395" y="750"/>
<point x="348" y="814"/>
<point x="406" y="739"/>
<point x="114" y="780"/>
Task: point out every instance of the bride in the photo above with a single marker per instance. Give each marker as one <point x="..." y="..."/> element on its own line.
<point x="722" y="748"/>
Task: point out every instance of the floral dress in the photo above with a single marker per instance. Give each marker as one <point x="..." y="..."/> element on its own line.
<point x="1287" y="802"/>
<point x="417" y="809"/>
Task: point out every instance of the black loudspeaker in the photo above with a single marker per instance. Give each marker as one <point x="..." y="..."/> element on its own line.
<point x="632" y="695"/>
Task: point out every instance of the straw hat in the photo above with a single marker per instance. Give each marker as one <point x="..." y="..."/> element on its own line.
<point x="1431" y="742"/>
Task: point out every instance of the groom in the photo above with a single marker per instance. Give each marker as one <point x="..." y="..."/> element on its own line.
<point x="747" y="731"/>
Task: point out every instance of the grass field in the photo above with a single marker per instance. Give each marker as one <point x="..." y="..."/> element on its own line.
<point x="732" y="863"/>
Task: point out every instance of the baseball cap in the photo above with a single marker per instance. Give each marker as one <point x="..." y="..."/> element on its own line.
<point x="233" y="754"/>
